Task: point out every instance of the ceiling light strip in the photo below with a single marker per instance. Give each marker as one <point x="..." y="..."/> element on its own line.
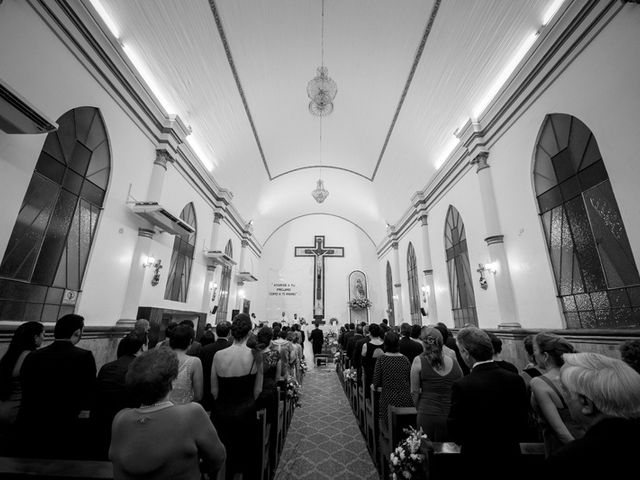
<point x="227" y="49"/>
<point x="414" y="67"/>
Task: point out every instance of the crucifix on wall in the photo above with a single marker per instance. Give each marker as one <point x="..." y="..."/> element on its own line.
<point x="319" y="252"/>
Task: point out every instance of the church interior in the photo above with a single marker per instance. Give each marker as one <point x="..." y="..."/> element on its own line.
<point x="418" y="161"/>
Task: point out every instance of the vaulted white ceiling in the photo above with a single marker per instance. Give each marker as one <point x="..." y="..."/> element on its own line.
<point x="236" y="72"/>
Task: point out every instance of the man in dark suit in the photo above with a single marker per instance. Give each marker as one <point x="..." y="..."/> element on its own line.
<point x="356" y="360"/>
<point x="351" y="343"/>
<point x="488" y="412"/>
<point x="316" y="337"/>
<point x="57" y="384"/>
<point x="206" y="357"/>
<point x="111" y="392"/>
<point x="406" y="346"/>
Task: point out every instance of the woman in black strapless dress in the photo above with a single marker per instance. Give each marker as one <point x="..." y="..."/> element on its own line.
<point x="236" y="382"/>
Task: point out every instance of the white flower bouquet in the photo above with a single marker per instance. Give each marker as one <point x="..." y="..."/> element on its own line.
<point x="294" y="391"/>
<point x="359" y="303"/>
<point x="349" y="374"/>
<point x="405" y="460"/>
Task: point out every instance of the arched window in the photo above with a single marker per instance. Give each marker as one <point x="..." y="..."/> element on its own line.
<point x="390" y="309"/>
<point x="44" y="263"/>
<point x="414" y="294"/>
<point x="225" y="283"/>
<point x="463" y="303"/>
<point x="596" y="275"/>
<point x="182" y="259"/>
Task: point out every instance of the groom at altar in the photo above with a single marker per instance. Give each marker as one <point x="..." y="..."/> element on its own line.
<point x="316" y="337"/>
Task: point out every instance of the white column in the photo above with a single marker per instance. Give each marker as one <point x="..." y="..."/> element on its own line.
<point x="145" y="240"/>
<point x="241" y="268"/>
<point x="154" y="193"/>
<point x="429" y="295"/>
<point x="210" y="284"/>
<point x="397" y="286"/>
<point x="495" y="243"/>
<point x="137" y="274"/>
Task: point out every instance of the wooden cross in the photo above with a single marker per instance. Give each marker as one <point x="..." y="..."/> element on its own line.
<point x="319" y="252"/>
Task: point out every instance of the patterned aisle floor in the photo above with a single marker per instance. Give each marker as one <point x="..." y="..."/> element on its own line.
<point x="324" y="441"/>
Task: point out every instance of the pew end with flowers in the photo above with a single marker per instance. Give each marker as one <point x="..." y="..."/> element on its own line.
<point x="407" y="462"/>
<point x="294" y="391"/>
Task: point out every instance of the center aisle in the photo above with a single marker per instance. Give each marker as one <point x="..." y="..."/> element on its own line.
<point x="324" y="441"/>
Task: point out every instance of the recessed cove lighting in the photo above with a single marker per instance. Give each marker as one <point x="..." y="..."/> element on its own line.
<point x="504" y="75"/>
<point x="149" y="79"/>
<point x="195" y="146"/>
<point x="551" y="11"/>
<point x="108" y="21"/>
<point x="447" y="151"/>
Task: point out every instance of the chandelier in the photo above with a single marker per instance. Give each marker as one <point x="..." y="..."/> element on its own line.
<point x="321" y="89"/>
<point x="320" y="193"/>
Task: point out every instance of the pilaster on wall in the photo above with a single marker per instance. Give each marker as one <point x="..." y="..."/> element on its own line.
<point x="428" y="295"/>
<point x="210" y="285"/>
<point x="397" y="286"/>
<point x="495" y="242"/>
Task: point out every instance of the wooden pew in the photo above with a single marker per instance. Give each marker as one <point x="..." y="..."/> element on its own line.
<point x="361" y="408"/>
<point x="444" y="462"/>
<point x="281" y="434"/>
<point x="372" y="422"/>
<point x="51" y="469"/>
<point x="264" y="434"/>
<point x="392" y="433"/>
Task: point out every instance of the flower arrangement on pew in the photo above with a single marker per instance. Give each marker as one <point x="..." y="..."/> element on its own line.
<point x="405" y="460"/>
<point x="349" y="374"/>
<point x="331" y="341"/>
<point x="294" y="391"/>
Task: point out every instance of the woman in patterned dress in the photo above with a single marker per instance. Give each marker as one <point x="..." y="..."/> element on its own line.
<point x="391" y="375"/>
<point x="187" y="387"/>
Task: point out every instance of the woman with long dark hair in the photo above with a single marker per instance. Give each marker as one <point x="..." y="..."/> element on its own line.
<point x="236" y="383"/>
<point x="432" y="376"/>
<point x="26" y="338"/>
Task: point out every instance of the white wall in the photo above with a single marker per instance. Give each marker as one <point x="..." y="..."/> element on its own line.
<point x="40" y="68"/>
<point x="278" y="261"/>
<point x="600" y="88"/>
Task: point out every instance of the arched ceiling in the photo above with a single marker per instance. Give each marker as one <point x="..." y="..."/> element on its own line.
<point x="409" y="73"/>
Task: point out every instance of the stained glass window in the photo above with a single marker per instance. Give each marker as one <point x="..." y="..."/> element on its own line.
<point x="414" y="293"/>
<point x="50" y="243"/>
<point x="390" y="309"/>
<point x="596" y="276"/>
<point x="182" y="259"/>
<point x="225" y="283"/>
<point x="463" y="302"/>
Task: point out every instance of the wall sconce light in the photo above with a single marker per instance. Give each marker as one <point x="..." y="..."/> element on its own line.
<point x="395" y="297"/>
<point x="214" y="290"/>
<point x="425" y="293"/>
<point x="150" y="261"/>
<point x="241" y="293"/>
<point x="483" y="270"/>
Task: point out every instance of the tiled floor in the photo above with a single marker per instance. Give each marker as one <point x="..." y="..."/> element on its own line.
<point x="324" y="441"/>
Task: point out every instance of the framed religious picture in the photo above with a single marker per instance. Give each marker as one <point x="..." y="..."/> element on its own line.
<point x="359" y="302"/>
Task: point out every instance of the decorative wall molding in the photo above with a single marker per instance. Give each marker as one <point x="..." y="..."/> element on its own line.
<point x="571" y="31"/>
<point x="88" y="39"/>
